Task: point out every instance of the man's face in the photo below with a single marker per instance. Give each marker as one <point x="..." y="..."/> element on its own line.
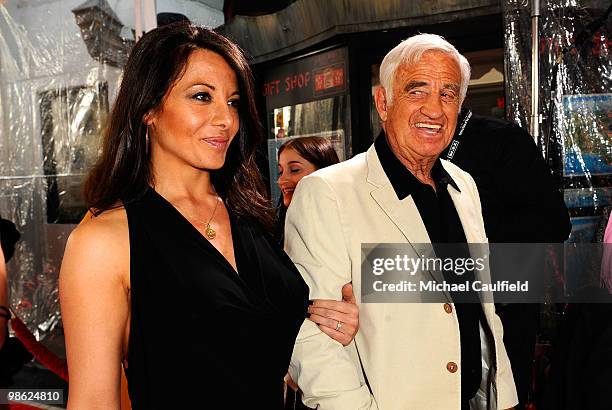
<point x="421" y="119"/>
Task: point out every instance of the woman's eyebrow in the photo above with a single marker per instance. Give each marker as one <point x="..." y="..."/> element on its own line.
<point x="212" y="87"/>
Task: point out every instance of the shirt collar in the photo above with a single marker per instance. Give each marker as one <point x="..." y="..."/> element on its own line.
<point x="403" y="181"/>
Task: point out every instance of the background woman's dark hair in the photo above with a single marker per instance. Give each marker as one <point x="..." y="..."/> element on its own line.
<point x="319" y="152"/>
<point x="123" y="172"/>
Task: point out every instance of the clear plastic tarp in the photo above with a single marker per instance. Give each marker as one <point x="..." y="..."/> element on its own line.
<point x="575" y="53"/>
<point x="60" y="68"/>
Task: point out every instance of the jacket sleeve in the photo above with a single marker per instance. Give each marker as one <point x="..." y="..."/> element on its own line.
<point x="314" y="240"/>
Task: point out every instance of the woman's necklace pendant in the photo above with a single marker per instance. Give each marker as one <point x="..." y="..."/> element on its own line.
<point x="210" y="232"/>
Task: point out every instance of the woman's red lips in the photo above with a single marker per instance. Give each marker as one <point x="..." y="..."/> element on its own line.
<point x="217" y="142"/>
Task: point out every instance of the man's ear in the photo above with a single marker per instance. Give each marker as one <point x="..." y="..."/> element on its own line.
<point x="380" y="98"/>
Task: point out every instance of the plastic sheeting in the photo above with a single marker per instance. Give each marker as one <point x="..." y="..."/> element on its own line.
<point x="576" y="99"/>
<point x="60" y="68"/>
<point x="55" y="98"/>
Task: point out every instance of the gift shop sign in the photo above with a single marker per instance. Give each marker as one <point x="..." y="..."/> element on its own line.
<point x="310" y="78"/>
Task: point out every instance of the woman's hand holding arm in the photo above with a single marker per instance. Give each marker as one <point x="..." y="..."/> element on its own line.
<point x="337" y="319"/>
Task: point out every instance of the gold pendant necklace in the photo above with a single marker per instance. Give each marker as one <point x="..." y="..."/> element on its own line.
<point x="208" y="231"/>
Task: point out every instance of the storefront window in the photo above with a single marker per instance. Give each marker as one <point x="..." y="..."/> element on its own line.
<point x="304" y="98"/>
<point x="308" y="118"/>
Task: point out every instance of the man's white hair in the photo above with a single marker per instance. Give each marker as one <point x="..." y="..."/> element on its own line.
<point x="410" y="52"/>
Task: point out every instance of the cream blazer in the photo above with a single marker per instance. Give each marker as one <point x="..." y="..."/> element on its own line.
<point x="398" y="360"/>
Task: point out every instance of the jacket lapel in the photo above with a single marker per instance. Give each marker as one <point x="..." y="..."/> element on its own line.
<point x="404" y="214"/>
<point x="476" y="238"/>
<point x="469" y="215"/>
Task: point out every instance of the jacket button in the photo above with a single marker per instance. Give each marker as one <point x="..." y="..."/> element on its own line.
<point x="451" y="367"/>
<point x="448" y="308"/>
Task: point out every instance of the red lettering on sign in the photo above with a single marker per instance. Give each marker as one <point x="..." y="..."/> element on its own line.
<point x="297" y="81"/>
<point x="329" y="78"/>
<point x="338" y="77"/>
<point x="319" y="82"/>
<point x="271" y="88"/>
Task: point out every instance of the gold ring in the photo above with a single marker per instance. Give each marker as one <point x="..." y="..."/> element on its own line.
<point x="339" y="325"/>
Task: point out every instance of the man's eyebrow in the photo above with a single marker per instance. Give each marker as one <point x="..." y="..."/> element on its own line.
<point x="414" y="84"/>
<point x="452" y="86"/>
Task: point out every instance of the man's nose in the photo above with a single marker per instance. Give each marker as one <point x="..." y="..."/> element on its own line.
<point x="432" y="107"/>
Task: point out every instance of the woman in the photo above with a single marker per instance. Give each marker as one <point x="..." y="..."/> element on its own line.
<point x="176" y="276"/>
<point x="299" y="157"/>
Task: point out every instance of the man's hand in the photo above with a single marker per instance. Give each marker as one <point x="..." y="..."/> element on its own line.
<point x="337" y="319"/>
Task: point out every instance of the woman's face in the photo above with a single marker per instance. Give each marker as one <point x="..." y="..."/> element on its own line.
<point x="291" y="168"/>
<point x="198" y="118"/>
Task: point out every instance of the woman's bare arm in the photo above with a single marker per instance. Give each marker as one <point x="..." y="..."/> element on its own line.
<point x="94" y="291"/>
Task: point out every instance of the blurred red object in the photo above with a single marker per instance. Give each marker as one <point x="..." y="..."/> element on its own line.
<point x="46" y="357"/>
<point x="18" y="406"/>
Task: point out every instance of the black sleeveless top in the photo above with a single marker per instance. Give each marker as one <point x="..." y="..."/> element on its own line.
<point x="201" y="335"/>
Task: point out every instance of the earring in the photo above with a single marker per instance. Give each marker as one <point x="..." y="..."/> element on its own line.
<point x="147" y="140"/>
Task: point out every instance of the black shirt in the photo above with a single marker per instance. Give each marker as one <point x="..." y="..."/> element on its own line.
<point x="443" y="226"/>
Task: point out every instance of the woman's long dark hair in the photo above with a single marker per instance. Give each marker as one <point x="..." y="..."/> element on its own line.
<point x="123" y="172"/>
<point x="318" y="151"/>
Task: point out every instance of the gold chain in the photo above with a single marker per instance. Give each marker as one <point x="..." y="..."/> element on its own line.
<point x="210" y="232"/>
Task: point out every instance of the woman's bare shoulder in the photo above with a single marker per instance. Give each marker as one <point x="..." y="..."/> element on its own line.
<point x="99" y="244"/>
<point x="110" y="224"/>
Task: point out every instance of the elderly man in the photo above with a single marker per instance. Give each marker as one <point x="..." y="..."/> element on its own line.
<point x="405" y="356"/>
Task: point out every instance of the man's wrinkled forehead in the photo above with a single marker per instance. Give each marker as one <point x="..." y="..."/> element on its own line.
<point x="406" y="74"/>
